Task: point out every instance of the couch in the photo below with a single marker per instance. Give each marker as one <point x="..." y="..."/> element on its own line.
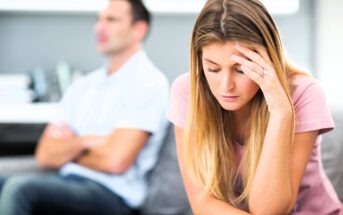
<point x="332" y="153"/>
<point x="167" y="195"/>
<point x="166" y="192"/>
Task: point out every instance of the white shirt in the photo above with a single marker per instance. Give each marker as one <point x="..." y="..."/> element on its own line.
<point x="136" y="96"/>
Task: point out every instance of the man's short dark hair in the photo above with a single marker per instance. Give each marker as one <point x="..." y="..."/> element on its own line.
<point x="139" y="11"/>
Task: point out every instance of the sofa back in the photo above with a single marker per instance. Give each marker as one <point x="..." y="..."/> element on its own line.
<point x="166" y="191"/>
<point x="332" y="153"/>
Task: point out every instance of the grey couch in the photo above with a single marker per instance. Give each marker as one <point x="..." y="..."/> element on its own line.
<point x="167" y="195"/>
<point x="332" y="153"/>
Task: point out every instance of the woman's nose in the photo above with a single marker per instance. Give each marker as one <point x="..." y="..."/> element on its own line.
<point x="228" y="82"/>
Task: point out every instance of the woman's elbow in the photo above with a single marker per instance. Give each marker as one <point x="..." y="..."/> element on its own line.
<point x="277" y="205"/>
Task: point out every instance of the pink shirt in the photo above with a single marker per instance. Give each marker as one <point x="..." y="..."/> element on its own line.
<point x="316" y="194"/>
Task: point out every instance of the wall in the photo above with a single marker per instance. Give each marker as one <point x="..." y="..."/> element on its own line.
<point x="28" y="40"/>
<point x="330" y="55"/>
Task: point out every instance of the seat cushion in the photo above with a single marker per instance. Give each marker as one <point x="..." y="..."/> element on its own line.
<point x="167" y="194"/>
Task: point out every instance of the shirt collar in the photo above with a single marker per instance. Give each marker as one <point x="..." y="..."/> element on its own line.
<point x="129" y="68"/>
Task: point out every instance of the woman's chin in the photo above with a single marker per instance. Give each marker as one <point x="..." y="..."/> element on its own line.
<point x="230" y="107"/>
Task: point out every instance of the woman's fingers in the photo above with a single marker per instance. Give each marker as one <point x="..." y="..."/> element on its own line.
<point x="255" y="66"/>
<point x="260" y="56"/>
<point x="250" y="64"/>
<point x="265" y="55"/>
<point x="253" y="56"/>
<point x="257" y="78"/>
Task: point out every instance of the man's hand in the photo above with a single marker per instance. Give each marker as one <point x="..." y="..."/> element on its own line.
<point x="57" y="146"/>
<point x="91" y="141"/>
<point x="59" y="131"/>
<point x="114" y="153"/>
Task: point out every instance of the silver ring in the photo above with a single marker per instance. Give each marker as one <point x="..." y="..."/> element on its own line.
<point x="264" y="72"/>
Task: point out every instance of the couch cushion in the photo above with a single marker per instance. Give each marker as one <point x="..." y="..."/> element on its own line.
<point x="11" y="165"/>
<point x="167" y="194"/>
<point x="332" y="151"/>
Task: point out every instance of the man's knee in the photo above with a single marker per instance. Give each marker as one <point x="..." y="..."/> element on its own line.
<point x="18" y="194"/>
<point x="17" y="187"/>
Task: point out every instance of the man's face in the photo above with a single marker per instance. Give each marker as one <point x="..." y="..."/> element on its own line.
<point x="114" y="29"/>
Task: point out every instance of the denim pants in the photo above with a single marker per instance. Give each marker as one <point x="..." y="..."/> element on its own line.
<point x="55" y="194"/>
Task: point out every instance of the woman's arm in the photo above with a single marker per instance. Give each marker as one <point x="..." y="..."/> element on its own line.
<point x="280" y="169"/>
<point x="282" y="163"/>
<point x="201" y="204"/>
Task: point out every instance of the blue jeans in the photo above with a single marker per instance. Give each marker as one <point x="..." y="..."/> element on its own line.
<point x="54" y="194"/>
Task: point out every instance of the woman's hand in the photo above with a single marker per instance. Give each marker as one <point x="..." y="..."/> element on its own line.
<point x="259" y="68"/>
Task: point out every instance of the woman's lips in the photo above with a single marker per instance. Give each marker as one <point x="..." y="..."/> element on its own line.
<point x="230" y="98"/>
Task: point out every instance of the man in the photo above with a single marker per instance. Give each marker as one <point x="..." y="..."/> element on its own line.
<point x="108" y="133"/>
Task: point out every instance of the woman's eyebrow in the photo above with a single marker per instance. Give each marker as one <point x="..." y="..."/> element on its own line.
<point x="208" y="60"/>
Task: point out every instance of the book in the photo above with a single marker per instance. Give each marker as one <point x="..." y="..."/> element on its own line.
<point x="14" y="81"/>
<point x="16" y="96"/>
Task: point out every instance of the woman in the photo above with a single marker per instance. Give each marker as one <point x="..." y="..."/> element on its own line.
<point x="248" y="124"/>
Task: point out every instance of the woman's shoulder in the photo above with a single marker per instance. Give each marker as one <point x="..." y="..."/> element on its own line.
<point x="305" y="86"/>
<point x="183" y="79"/>
<point x="182" y="83"/>
<point x="180" y="93"/>
<point x="311" y="108"/>
<point x="303" y="80"/>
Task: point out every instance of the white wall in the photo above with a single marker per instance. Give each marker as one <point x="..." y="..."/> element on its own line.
<point x="329" y="55"/>
<point x="42" y="38"/>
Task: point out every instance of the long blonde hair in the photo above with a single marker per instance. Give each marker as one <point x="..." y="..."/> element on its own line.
<point x="210" y="155"/>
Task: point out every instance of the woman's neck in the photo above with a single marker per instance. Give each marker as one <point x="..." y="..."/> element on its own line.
<point x="240" y="117"/>
<point x="240" y="122"/>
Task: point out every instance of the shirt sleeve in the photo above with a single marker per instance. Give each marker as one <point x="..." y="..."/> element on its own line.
<point x="145" y="108"/>
<point x="180" y="95"/>
<point x="311" y="110"/>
